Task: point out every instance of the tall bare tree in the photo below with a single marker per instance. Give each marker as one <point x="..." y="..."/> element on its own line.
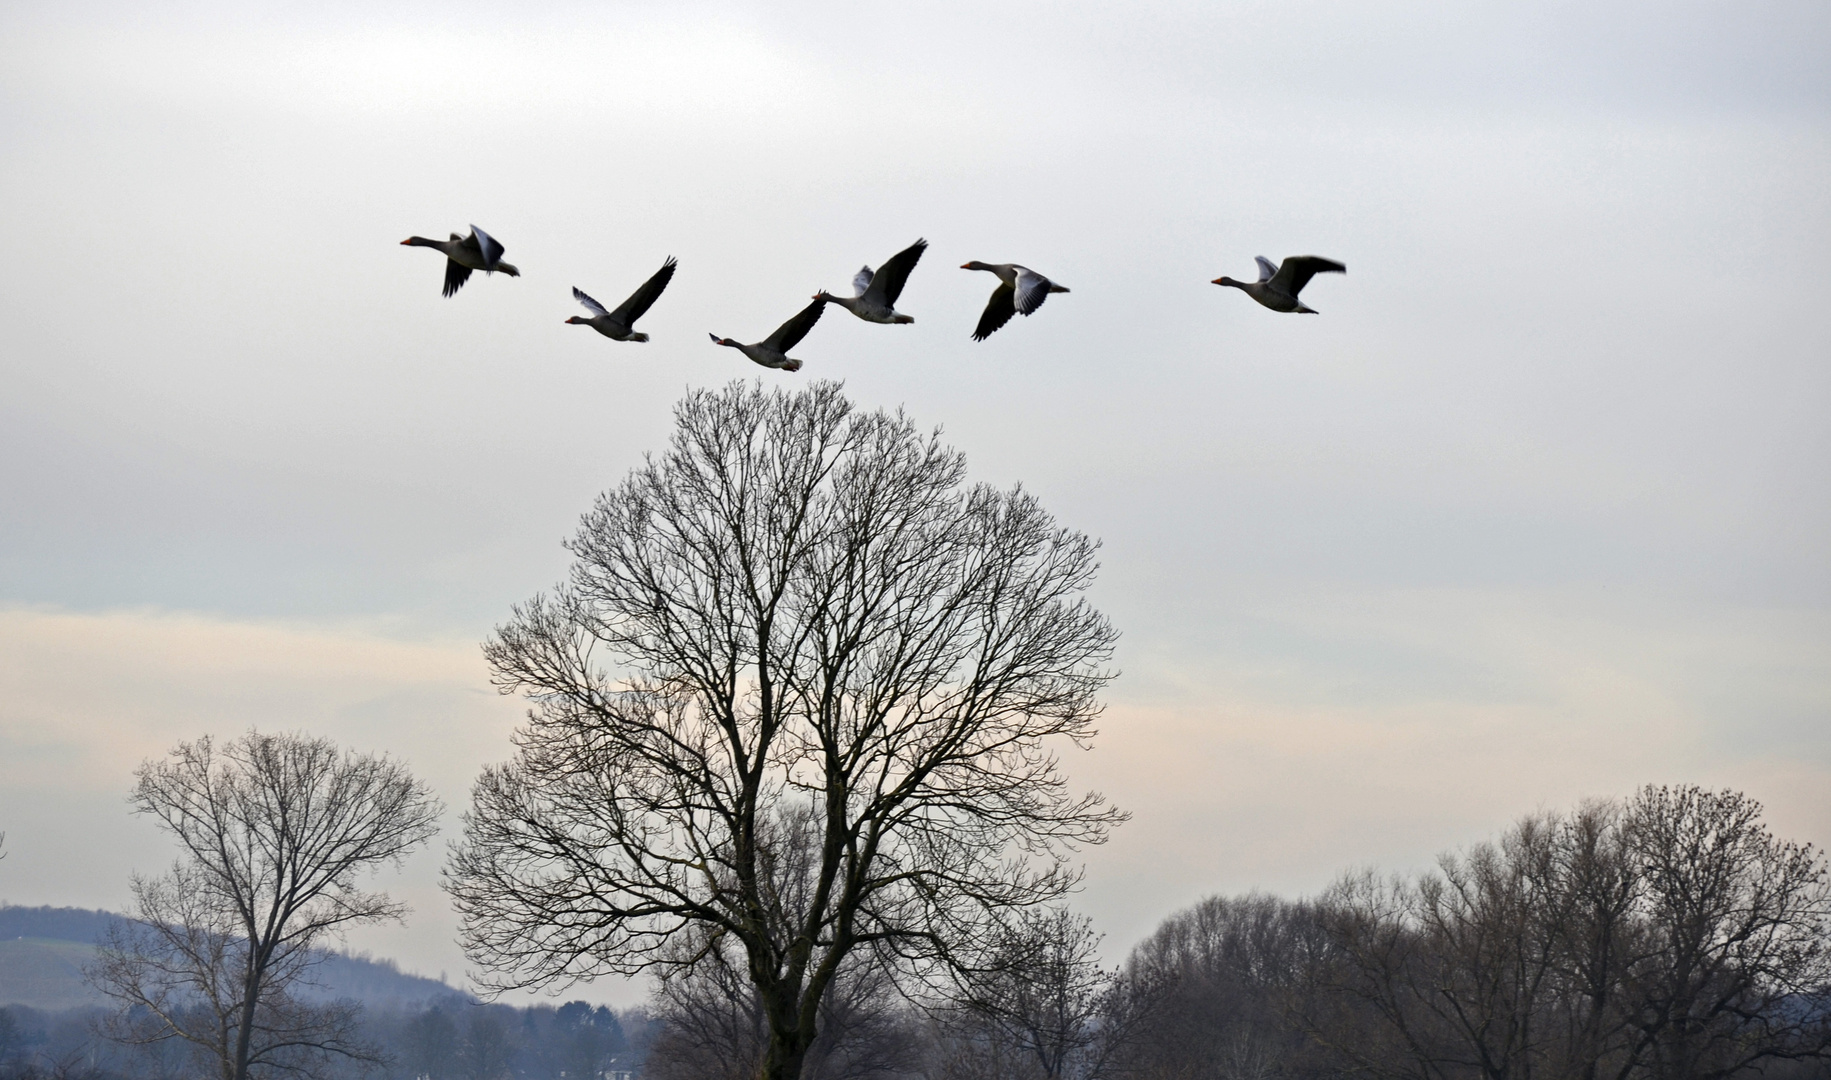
<point x="1603" y="935"/>
<point x="1739" y="971"/>
<point x="275" y="833"/>
<point x="797" y="618"/>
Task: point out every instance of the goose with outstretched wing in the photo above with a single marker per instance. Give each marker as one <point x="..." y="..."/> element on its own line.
<point x="1278" y="285"/>
<point x="620" y="325"/>
<point x="875" y="292"/>
<point x="772" y="351"/>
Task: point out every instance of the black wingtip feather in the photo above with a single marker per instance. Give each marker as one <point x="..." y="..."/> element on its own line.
<point x="455" y="277"/>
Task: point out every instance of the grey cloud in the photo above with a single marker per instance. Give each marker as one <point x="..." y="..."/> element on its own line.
<point x="1578" y="355"/>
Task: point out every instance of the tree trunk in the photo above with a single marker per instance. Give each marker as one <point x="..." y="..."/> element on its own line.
<point x="244" y="1037"/>
<point x="783" y="1059"/>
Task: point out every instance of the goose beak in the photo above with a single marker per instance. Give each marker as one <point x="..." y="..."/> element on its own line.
<point x="406" y="241"/>
<point x="966" y="266"/>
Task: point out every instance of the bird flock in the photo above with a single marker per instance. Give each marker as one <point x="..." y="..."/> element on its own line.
<point x="1020" y="291"/>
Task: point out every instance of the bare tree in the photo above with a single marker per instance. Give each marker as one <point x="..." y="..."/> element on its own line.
<point x="275" y="832"/>
<point x="1490" y="922"/>
<point x="431" y="1046"/>
<point x="1042" y="992"/>
<point x="1667" y="938"/>
<point x="712" y="1017"/>
<point x="713" y="1025"/>
<point x="586" y="1038"/>
<point x="796" y="618"/>
<point x="1485" y="968"/>
<point x="487" y="1047"/>
<point x="1741" y="933"/>
<point x="1604" y="935"/>
<point x="1210" y="992"/>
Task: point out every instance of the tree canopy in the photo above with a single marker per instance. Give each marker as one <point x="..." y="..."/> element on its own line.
<point x="803" y="690"/>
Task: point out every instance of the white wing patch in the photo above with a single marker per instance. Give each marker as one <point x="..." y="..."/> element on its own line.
<point x="1032" y="290"/>
<point x="1266" y="267"/>
<point x="487" y="245"/>
<point x="861" y="281"/>
<point x="592" y="305"/>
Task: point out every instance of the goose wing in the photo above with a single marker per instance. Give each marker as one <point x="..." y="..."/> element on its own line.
<point x="1267" y="268"/>
<point x="486" y="246"/>
<point x="590" y="305"/>
<point x="644" y="297"/>
<point x="790" y="333"/>
<point x="1299" y="269"/>
<point x="1032" y="289"/>
<point x="998" y="311"/>
<point x="861" y="282"/>
<point x="895" y="272"/>
<point x="456" y="274"/>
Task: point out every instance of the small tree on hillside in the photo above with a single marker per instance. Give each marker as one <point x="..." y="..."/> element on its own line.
<point x="800" y="695"/>
<point x="275" y="832"/>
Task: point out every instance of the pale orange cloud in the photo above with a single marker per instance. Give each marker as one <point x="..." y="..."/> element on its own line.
<point x="1409" y="722"/>
<point x="1427" y="719"/>
<point x="84" y="698"/>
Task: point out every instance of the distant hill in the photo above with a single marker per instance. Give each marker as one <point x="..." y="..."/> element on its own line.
<point x="45" y="974"/>
<point x="43" y="950"/>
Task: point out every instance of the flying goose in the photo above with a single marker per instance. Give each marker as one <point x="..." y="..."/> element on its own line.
<point x="1278" y="286"/>
<point x="619" y="325"/>
<point x="874" y="294"/>
<point x="478" y="251"/>
<point x="772" y="351"/>
<point x="1021" y="289"/>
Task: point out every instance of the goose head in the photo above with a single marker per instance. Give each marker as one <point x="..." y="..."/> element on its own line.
<point x="716" y="340"/>
<point x="974" y="265"/>
<point x="1225" y="280"/>
<point x="508" y="268"/>
<point x="580" y="320"/>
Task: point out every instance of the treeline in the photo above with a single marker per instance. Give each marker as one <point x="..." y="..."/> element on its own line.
<point x="1668" y="936"/>
<point x="1665" y="937"/>
<point x="455" y="1039"/>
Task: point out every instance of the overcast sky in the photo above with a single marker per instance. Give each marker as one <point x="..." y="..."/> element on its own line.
<point x="1538" y="508"/>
